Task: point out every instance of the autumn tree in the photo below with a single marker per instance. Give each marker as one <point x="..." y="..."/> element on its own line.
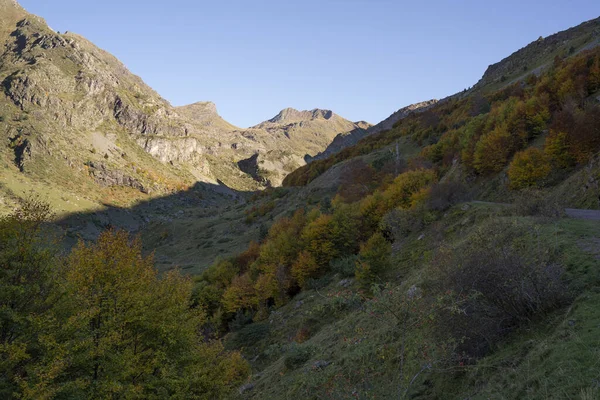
<point x="240" y="294"/>
<point x="493" y="150"/>
<point x="121" y="331"/>
<point x="304" y="268"/>
<point x="558" y="150"/>
<point x="528" y="168"/>
<point x="374" y="258"/>
<point x="29" y="269"/>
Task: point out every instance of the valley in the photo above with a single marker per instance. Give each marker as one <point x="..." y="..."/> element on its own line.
<point x="150" y="251"/>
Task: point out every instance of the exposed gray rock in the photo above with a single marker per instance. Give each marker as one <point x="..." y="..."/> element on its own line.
<point x="107" y="177"/>
<point x="320" y="364"/>
<point x="246" y="388"/>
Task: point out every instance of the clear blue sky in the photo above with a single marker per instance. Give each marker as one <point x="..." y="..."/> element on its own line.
<point x="363" y="59"/>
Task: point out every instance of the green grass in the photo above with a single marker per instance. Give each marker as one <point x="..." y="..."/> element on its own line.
<point x="557" y="356"/>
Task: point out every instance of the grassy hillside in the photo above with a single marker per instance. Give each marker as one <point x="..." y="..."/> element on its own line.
<point x="391" y="284"/>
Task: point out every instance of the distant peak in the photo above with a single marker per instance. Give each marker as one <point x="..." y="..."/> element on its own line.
<point x="289" y="115"/>
<point x="201" y="107"/>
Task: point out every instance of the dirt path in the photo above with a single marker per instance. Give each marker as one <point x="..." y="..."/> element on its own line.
<point x="577" y="213"/>
<point x="591" y="215"/>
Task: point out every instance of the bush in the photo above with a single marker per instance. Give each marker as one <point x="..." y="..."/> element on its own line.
<point x="529" y="168"/>
<point x="296" y="356"/>
<point x="499" y="279"/>
<point x="249" y="335"/>
<point x="304" y="267"/>
<point x="533" y="202"/>
<point x="444" y="195"/>
<point x="344" y="266"/>
<point x="399" y="223"/>
<point x="374" y="258"/>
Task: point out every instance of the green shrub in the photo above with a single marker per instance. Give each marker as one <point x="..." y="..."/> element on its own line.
<point x="296" y="356"/>
<point x="344" y="266"/>
<point x="533" y="202"/>
<point x="249" y="335"/>
<point x="400" y="223"/>
<point x="444" y="195"/>
<point x="374" y="258"/>
<point x="499" y="279"/>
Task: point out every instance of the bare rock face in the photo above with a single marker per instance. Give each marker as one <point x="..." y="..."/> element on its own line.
<point x="107" y="177"/>
<point x="291" y="115"/>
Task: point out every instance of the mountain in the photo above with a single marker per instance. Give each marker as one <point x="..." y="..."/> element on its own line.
<point x="438" y="257"/>
<point x="350" y="138"/>
<point x="539" y="55"/>
<point x="291" y="135"/>
<point x="81" y="130"/>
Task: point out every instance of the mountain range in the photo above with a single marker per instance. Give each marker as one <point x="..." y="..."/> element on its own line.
<point x="74" y="116"/>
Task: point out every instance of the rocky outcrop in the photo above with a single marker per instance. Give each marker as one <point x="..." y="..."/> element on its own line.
<point x="250" y="167"/>
<point x="168" y="149"/>
<point x="291" y="115"/>
<point x="205" y="114"/>
<point x="107" y="177"/>
<point x="22" y="150"/>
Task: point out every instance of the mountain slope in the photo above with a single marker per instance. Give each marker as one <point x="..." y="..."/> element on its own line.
<point x="79" y="128"/>
<point x="350" y="138"/>
<point x="539" y="55"/>
<point x="292" y="135"/>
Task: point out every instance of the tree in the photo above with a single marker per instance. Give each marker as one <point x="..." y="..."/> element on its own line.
<point x="492" y="151"/>
<point x="400" y="192"/>
<point x="304" y="268"/>
<point x="119" y="330"/>
<point x="558" y="150"/>
<point x="29" y="267"/>
<point x="374" y="258"/>
<point x="528" y="168"/>
<point x="239" y="294"/>
<point x="318" y="237"/>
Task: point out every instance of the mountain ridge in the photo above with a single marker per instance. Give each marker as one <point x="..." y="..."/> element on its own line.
<point x="74" y="104"/>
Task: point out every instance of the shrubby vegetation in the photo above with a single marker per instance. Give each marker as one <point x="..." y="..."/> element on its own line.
<point x="99" y="322"/>
<point x="476" y="290"/>
<point x="501" y="277"/>
<point x="485" y="132"/>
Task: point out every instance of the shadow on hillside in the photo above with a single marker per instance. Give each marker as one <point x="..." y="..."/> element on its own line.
<point x="203" y="199"/>
<point x="340" y="142"/>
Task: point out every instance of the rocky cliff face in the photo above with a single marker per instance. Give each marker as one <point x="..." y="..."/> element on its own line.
<point x="296" y="136"/>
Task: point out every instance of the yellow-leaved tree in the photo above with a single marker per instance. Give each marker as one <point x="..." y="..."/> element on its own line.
<point x="528" y="168"/>
<point x="119" y="330"/>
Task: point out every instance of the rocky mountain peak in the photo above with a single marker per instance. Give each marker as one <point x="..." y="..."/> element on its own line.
<point x="205" y="112"/>
<point x="291" y="115"/>
<point x="201" y="109"/>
